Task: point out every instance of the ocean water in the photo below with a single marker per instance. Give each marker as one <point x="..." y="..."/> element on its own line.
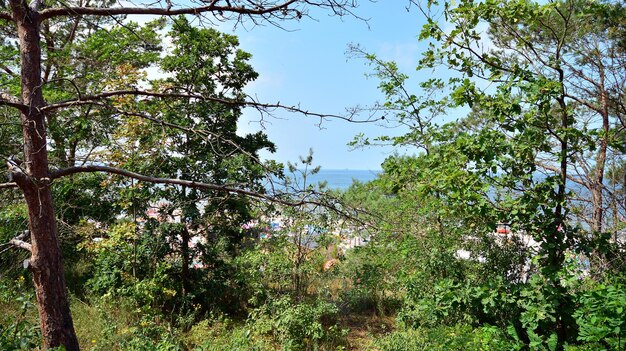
<point x="339" y="178"/>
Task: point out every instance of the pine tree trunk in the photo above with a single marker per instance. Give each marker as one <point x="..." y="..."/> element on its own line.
<point x="47" y="268"/>
<point x="32" y="177"/>
<point x="185" y="253"/>
<point x="598" y="177"/>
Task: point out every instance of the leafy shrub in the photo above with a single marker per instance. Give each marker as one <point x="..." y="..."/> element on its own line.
<point x="18" y="334"/>
<point x="238" y="339"/>
<point x="220" y="335"/>
<point x="147" y="335"/>
<point x="123" y="326"/>
<point x="601" y="315"/>
<point x="17" y="331"/>
<point x="447" y="304"/>
<point x="300" y="326"/>
<point x="372" y="282"/>
<point x="459" y="337"/>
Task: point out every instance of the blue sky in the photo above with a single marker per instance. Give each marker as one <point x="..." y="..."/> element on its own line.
<point x="307" y="65"/>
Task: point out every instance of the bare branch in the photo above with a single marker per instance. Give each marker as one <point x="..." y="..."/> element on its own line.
<point x="21" y="244"/>
<point x="97" y="11"/>
<point x="18" y="241"/>
<point x="91" y="99"/>
<point x="558" y="171"/>
<point x="7" y="99"/>
<point x="8" y="71"/>
<point x="304" y="200"/>
<point x="171" y="181"/>
<point x="8" y="185"/>
<point x="263" y="107"/>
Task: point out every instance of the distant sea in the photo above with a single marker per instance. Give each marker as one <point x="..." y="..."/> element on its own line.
<point x="341" y="178"/>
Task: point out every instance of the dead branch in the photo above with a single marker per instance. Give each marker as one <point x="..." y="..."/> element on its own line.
<point x="557" y="170"/>
<point x="7" y="99"/>
<point x="269" y="11"/>
<point x="18" y="241"/>
<point x="21" y="244"/>
<point x="8" y="185"/>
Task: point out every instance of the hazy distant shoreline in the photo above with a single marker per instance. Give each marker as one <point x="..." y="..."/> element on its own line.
<point x="341" y="178"/>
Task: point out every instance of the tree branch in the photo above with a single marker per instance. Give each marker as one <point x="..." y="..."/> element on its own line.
<point x="8" y="71"/>
<point x="8" y="185"/>
<point x="263" y="107"/>
<point x="18" y="241"/>
<point x="7" y="99"/>
<point x="558" y="170"/>
<point x="226" y="188"/>
<point x="21" y="244"/>
<point x="97" y="11"/>
<point x="91" y="99"/>
<point x="172" y="181"/>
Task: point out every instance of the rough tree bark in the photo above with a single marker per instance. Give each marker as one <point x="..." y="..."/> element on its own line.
<point x="598" y="178"/>
<point x="33" y="178"/>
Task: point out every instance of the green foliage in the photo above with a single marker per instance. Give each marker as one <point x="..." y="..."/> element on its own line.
<point x="17" y="330"/>
<point x="130" y="266"/>
<point x="148" y="338"/>
<point x="527" y="102"/>
<point x="299" y="326"/>
<point x="220" y="334"/>
<point x="191" y="59"/>
<point x="13" y="221"/>
<point x="236" y="340"/>
<point x="458" y="337"/>
<point x="601" y="315"/>
<point x="204" y="147"/>
<point x="117" y="323"/>
<point x="372" y="282"/>
<point x="519" y="75"/>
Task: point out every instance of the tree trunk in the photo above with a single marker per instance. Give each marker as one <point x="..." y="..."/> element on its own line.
<point x="556" y="240"/>
<point x="33" y="178"/>
<point x="184" y="246"/>
<point x="185" y="253"/>
<point x="598" y="178"/>
<point x="46" y="266"/>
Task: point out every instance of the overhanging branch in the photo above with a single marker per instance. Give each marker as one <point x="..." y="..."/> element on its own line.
<point x="173" y="181"/>
<point x="303" y="201"/>
<point x="96" y="11"/>
<point x="557" y="170"/>
<point x="8" y="185"/>
<point x="100" y="99"/>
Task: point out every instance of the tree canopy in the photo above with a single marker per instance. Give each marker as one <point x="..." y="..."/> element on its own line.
<point x="505" y="229"/>
<point x="76" y="94"/>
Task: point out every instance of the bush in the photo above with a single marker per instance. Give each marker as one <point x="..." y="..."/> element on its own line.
<point x="300" y="326"/>
<point x="372" y="283"/>
<point x="459" y="337"/>
<point x="116" y="324"/>
<point x="221" y="335"/>
<point x="18" y="334"/>
<point x="18" y="331"/>
<point x="601" y="315"/>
